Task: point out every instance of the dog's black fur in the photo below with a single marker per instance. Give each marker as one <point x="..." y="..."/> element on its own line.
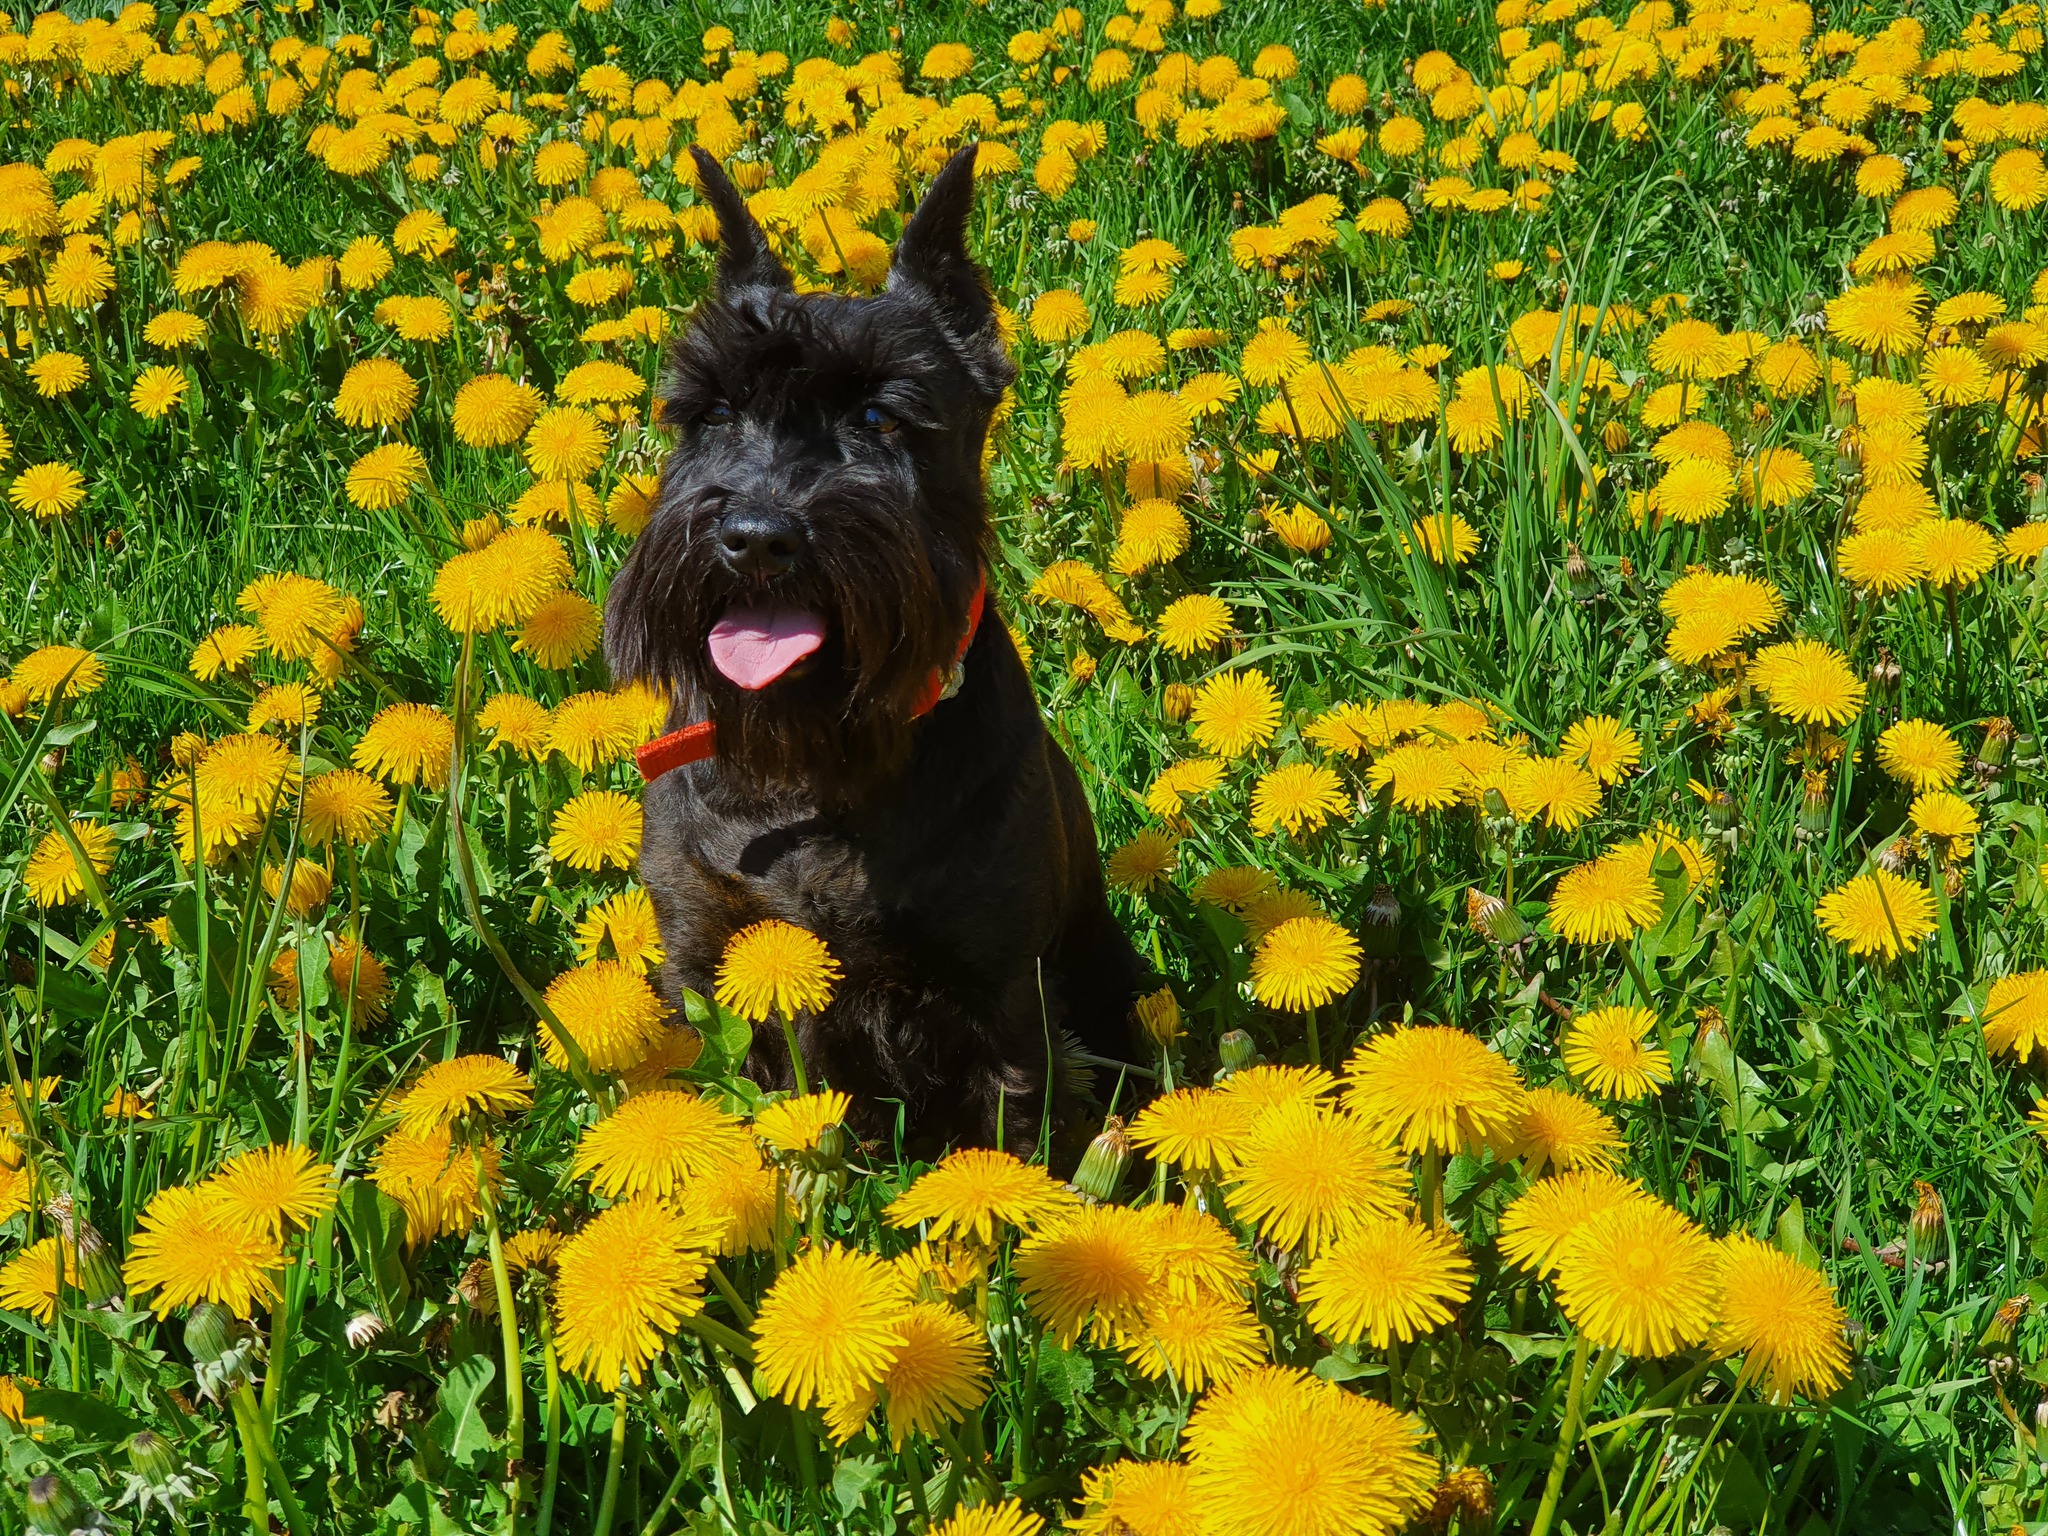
<point x="949" y="862"/>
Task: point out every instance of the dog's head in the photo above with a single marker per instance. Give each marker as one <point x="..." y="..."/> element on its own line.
<point x="818" y="533"/>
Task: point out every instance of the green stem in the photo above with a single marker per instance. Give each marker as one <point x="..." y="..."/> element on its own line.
<point x="614" y="1466"/>
<point x="250" y="1417"/>
<point x="1432" y="1190"/>
<point x="807" y="1467"/>
<point x="1567" y="1437"/>
<point x="796" y="1056"/>
<point x="1674" y="1501"/>
<point x="724" y="1287"/>
<point x="255" y="1502"/>
<point x="709" y="1329"/>
<point x="668" y="1501"/>
<point x="1781" y="1505"/>
<point x="551" y="1424"/>
<point x="515" y="1354"/>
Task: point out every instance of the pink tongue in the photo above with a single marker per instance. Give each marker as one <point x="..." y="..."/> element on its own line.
<point x="755" y="646"/>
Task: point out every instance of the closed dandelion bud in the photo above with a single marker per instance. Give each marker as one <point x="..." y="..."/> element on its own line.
<point x="475" y="1288"/>
<point x="1998" y="1333"/>
<point x="209" y="1331"/>
<point x="1496" y="805"/>
<point x="1952" y="881"/>
<point x="1999" y="735"/>
<point x="1467" y="1493"/>
<point x="152" y="1458"/>
<point x="1159" y="1016"/>
<point x="1177" y="702"/>
<point x="54" y="1509"/>
<point x="1710" y="1022"/>
<point x="831" y="1145"/>
<point x="1101" y="1173"/>
<point x="1614" y="436"/>
<point x="1236" y="1051"/>
<point x="1855" y="1333"/>
<point x="1816" y="804"/>
<point x="1578" y="572"/>
<point x="1380" y="933"/>
<point x="1930" y="1217"/>
<point x="365" y="1329"/>
<point x="1491" y="916"/>
<point x="223" y="1353"/>
<point x="1720" y="810"/>
<point x="99" y="1276"/>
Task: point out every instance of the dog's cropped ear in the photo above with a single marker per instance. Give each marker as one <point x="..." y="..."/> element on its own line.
<point x="744" y="259"/>
<point x="932" y="255"/>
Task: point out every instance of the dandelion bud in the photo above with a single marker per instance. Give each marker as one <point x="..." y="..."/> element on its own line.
<point x="88" y="1264"/>
<point x="1159" y="1016"/>
<point x="99" y="1276"/>
<point x="1101" y="1173"/>
<point x="1467" y="1493"/>
<point x="1578" y="572"/>
<point x="223" y="1353"/>
<point x="1177" y="702"/>
<point x="54" y="1509"/>
<point x="1999" y="735"/>
<point x="1489" y="915"/>
<point x="1998" y="1333"/>
<point x="1615" y="436"/>
<point x="1380" y="934"/>
<point x="1711" y="1022"/>
<point x="1720" y="810"/>
<point x="1952" y="881"/>
<point x="153" y="1458"/>
<point x="1855" y="1333"/>
<point x="1816" y="804"/>
<point x="208" y="1331"/>
<point x="474" y="1287"/>
<point x="1236" y="1051"/>
<point x="365" y="1329"/>
<point x="1930" y="1218"/>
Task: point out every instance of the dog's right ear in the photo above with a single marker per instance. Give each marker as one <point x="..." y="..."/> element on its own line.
<point x="932" y="254"/>
<point x="744" y="260"/>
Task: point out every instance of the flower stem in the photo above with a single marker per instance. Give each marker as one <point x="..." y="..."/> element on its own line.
<point x="1431" y="1179"/>
<point x="250" y="1418"/>
<point x="608" y="1502"/>
<point x="796" y="1056"/>
<point x="551" y="1426"/>
<point x="724" y="1287"/>
<point x="515" y="1354"/>
<point x="1568" y="1436"/>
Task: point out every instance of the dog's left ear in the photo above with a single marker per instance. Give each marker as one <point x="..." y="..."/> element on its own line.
<point x="932" y="255"/>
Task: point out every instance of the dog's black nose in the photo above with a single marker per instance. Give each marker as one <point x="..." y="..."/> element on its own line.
<point x="759" y="541"/>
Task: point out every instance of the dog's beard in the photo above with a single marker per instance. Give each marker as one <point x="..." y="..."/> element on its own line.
<point x="812" y="679"/>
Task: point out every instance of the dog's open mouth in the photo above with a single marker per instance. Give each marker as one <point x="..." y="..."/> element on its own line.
<point x="754" y="646"/>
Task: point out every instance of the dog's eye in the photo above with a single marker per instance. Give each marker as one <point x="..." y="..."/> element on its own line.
<point x="875" y="419"/>
<point x="717" y="414"/>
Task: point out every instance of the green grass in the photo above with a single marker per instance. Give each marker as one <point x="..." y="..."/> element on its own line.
<point x="1837" y="1086"/>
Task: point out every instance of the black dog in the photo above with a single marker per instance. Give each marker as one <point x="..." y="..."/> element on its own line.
<point x="807" y="583"/>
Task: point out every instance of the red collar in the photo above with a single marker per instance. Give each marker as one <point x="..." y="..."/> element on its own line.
<point x="694" y="743"/>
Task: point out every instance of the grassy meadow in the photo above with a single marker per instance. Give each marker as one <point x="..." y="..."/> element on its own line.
<point x="1529" y="521"/>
